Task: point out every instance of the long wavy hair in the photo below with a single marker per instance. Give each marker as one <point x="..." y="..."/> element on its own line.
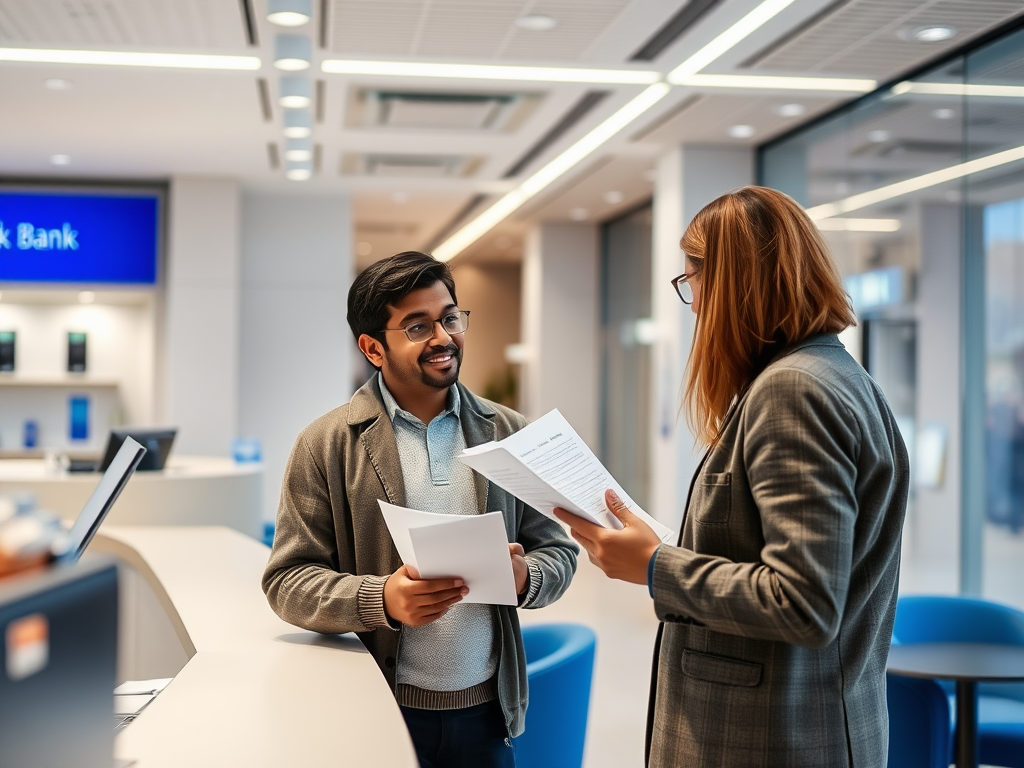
<point x="767" y="280"/>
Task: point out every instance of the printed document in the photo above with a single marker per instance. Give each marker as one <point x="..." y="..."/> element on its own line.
<point x="473" y="548"/>
<point x="547" y="465"/>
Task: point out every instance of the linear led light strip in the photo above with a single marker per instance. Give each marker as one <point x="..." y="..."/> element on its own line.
<point x="959" y="89"/>
<point x="888" y="192"/>
<point x="489" y="72"/>
<point x="651" y="95"/>
<point x="858" y="225"/>
<point x="131" y="59"/>
<point x="776" y="82"/>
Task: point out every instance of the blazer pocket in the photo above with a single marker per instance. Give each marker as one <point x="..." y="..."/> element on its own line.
<point x="715" y="503"/>
<point x="721" y="669"/>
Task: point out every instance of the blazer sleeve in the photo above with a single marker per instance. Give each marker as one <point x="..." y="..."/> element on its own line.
<point x="800" y="447"/>
<point x="550" y="554"/>
<point x="304" y="581"/>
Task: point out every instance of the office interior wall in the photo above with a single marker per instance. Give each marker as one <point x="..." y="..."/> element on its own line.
<point x="120" y="348"/>
<point x="687" y="179"/>
<point x="296" y="348"/>
<point x="200" y="319"/>
<point x="560" y="325"/>
<point x="492" y="293"/>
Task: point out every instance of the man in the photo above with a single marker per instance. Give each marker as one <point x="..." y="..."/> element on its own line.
<point x="458" y="671"/>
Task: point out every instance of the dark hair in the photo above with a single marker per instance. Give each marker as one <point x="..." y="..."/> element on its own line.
<point x="387" y="282"/>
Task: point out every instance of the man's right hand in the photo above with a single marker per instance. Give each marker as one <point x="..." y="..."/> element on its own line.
<point x="416" y="602"/>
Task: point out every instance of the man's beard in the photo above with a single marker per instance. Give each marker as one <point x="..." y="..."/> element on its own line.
<point x="448" y="379"/>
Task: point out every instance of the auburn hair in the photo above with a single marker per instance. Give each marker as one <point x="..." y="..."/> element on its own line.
<point x="766" y="280"/>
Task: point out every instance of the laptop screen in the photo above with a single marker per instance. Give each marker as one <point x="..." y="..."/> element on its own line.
<point x="103" y="498"/>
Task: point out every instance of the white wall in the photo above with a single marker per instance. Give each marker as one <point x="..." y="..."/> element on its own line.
<point x="296" y="360"/>
<point x="688" y="178"/>
<point x="201" y="336"/>
<point x="561" y="324"/>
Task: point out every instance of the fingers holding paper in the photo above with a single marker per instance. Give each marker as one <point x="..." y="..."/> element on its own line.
<point x="622" y="554"/>
<point x="416" y="602"/>
<point x="520" y="570"/>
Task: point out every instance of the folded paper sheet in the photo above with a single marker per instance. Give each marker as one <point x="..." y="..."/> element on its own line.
<point x="473" y="548"/>
<point x="547" y="465"/>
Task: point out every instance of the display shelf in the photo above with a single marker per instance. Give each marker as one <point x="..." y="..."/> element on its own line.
<point x="68" y="381"/>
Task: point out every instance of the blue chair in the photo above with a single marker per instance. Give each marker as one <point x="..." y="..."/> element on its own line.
<point x="559" y="668"/>
<point x="918" y="723"/>
<point x="969" y="620"/>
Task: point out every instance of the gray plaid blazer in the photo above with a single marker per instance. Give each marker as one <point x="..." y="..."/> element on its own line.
<point x="777" y="605"/>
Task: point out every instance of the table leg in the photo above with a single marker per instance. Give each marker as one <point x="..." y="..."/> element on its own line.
<point x="966" y="724"/>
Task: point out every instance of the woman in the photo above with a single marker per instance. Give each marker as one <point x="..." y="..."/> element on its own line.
<point x="777" y="605"/>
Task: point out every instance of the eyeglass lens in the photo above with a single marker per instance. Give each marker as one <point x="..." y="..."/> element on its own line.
<point x="685" y="291"/>
<point x="421" y="330"/>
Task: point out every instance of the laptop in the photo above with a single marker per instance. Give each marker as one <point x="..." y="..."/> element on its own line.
<point x="121" y="468"/>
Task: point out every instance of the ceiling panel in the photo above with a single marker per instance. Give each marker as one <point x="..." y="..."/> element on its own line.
<point x="210" y="25"/>
<point x="468" y="29"/>
<point x="867" y="38"/>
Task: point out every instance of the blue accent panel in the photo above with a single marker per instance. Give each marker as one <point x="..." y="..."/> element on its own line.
<point x="79" y="238"/>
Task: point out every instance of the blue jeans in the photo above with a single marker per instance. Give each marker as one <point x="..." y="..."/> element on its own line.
<point x="474" y="737"/>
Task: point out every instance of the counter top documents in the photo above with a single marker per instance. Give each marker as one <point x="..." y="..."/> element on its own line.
<point x="547" y="465"/>
<point x="472" y="548"/>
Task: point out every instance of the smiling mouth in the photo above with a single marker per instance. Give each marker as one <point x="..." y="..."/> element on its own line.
<point x="441" y="357"/>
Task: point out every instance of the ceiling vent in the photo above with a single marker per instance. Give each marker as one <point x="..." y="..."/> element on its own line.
<point x="410" y="166"/>
<point x="423" y="110"/>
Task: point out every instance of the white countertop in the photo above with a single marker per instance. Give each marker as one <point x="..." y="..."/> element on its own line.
<point x="178" y="468"/>
<point x="257" y="691"/>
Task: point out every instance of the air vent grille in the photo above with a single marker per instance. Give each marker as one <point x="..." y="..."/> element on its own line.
<point x="410" y="166"/>
<point x="430" y="110"/>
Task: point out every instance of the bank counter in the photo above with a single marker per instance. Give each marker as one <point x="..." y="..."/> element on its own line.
<point x="254" y="690"/>
<point x="191" y="490"/>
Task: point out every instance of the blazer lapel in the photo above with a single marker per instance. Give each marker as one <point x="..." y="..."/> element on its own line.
<point x="478" y="427"/>
<point x="378" y="439"/>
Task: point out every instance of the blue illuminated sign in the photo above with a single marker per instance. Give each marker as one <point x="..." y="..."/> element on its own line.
<point x="78" y="238"/>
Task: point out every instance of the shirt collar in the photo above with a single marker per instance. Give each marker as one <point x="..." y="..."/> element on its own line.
<point x="394" y="409"/>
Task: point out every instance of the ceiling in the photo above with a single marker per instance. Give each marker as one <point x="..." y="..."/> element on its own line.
<point x="420" y="154"/>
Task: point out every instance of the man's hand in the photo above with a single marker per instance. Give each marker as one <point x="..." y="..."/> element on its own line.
<point x="520" y="570"/>
<point x="416" y="602"/>
<point x="621" y="554"/>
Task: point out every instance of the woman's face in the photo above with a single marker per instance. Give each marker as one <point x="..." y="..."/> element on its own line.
<point x="694" y="283"/>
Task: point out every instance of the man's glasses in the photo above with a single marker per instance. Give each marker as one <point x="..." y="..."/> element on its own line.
<point x="419" y="331"/>
<point x="683" y="287"/>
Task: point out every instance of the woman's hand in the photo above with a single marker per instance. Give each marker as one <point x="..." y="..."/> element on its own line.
<point x="621" y="554"/>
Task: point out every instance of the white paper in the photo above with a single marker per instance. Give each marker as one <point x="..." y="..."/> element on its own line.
<point x="473" y="548"/>
<point x="137" y="687"/>
<point x="547" y="465"/>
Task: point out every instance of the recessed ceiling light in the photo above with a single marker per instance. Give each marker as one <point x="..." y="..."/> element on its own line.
<point x="934" y="33"/>
<point x="537" y="22"/>
<point x="944" y="113"/>
<point x="400" y="197"/>
<point x="57" y="84"/>
<point x="364" y="248"/>
<point x="879" y="136"/>
<point x="296" y="92"/>
<point x="613" y="197"/>
<point x="292" y="53"/>
<point x="790" y="110"/>
<point x="289" y="13"/>
<point x="60" y="159"/>
<point x="86" y="297"/>
<point x="298" y="124"/>
<point x="579" y="214"/>
<point x="742" y="131"/>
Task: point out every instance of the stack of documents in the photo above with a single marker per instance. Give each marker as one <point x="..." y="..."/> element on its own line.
<point x="472" y="548"/>
<point x="132" y="697"/>
<point x="547" y="465"/>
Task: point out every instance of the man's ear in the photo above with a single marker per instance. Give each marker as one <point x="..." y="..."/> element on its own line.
<point x="373" y="349"/>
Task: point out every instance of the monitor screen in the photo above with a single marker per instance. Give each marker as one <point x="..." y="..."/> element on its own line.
<point x="157" y="443"/>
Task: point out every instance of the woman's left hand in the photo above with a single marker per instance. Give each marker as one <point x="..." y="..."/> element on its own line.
<point x="621" y="554"/>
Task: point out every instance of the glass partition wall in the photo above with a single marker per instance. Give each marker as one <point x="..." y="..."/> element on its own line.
<point x="919" y="189"/>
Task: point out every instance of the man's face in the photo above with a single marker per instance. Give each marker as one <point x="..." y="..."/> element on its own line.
<point x="433" y="363"/>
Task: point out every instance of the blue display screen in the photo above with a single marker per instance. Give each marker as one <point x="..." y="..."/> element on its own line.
<point x="78" y="238"/>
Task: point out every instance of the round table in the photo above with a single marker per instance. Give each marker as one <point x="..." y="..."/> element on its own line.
<point x="967" y="664"/>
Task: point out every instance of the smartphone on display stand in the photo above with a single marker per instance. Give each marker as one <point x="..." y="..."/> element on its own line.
<point x="7" y="340"/>
<point x="79" y="417"/>
<point x="76" y="352"/>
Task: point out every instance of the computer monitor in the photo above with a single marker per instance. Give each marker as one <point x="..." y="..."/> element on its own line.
<point x="123" y="464"/>
<point x="157" y="443"/>
<point x="58" y="639"/>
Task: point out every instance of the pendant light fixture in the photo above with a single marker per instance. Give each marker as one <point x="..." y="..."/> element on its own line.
<point x="298" y="150"/>
<point x="292" y="53"/>
<point x="296" y="92"/>
<point x="289" y="13"/>
<point x="298" y="124"/>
